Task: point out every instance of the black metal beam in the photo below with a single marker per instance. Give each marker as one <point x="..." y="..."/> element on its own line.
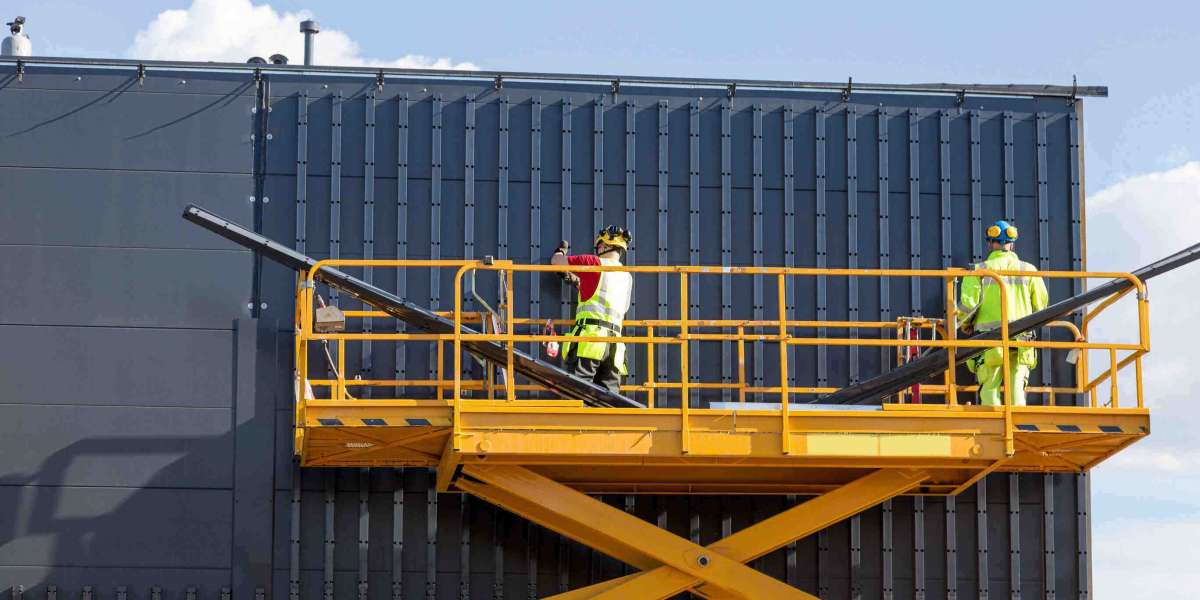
<point x="934" y="362"/>
<point x="539" y="371"/>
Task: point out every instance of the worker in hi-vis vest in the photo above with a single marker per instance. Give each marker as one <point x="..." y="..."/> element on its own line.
<point x="979" y="310"/>
<point x="604" y="297"/>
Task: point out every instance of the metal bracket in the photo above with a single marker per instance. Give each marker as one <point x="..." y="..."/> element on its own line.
<point x="141" y="73"/>
<point x="17" y="591"/>
<point x="379" y="80"/>
<point x="1074" y="88"/>
<point x="616" y="87"/>
<point x="960" y="98"/>
<point x="20" y="71"/>
<point x="849" y="88"/>
<point x="499" y="82"/>
<point x="308" y="284"/>
<point x="258" y="76"/>
<point x="731" y="91"/>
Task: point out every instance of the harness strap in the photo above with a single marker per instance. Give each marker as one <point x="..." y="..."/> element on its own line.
<point x="598" y="323"/>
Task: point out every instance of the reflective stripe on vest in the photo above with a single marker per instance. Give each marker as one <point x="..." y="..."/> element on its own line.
<point x="1010" y="280"/>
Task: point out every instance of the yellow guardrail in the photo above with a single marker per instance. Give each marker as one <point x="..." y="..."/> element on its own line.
<point x="683" y="331"/>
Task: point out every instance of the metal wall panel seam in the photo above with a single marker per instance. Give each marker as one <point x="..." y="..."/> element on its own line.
<point x="822" y="280"/>
<point x="563" y="564"/>
<point x="726" y="241"/>
<point x="1083" y="495"/>
<point x="1043" y="224"/>
<point x="887" y="546"/>
<point x="1048" y="566"/>
<point x="919" y="547"/>
<point x="631" y="177"/>
<point x="435" y="211"/>
<point x="1083" y="542"/>
<point x="976" y="191"/>
<point x="431" y="533"/>
<point x="598" y="164"/>
<point x="1009" y="181"/>
<point x="789" y="228"/>
<point x="498" y="525"/>
<point x="981" y="538"/>
<point x="565" y="201"/>
<point x="1014" y="536"/>
<point x="824" y="564"/>
<point x="464" y="558"/>
<point x="335" y="186"/>
<point x="535" y="208"/>
<point x="944" y="188"/>
<point x="531" y="560"/>
<point x="301" y="171"/>
<point x="856" y="557"/>
<point x="852" y="283"/>
<point x="398" y="535"/>
<point x="469" y="185"/>
<point x="367" y="359"/>
<point x="502" y="197"/>
<point x="297" y="483"/>
<point x="885" y="243"/>
<point x="663" y="168"/>
<point x="1076" y="200"/>
<point x="330" y="533"/>
<point x="637" y="356"/>
<point x="914" y="206"/>
<point x="693" y="230"/>
<point x="791" y="562"/>
<point x="757" y="230"/>
<point x="401" y="367"/>
<point x="364" y="529"/>
<point x="951" y="548"/>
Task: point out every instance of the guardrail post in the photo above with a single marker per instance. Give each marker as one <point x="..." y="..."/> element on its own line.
<point x="785" y="426"/>
<point x="650" y="381"/>
<point x="741" y="354"/>
<point x="509" y="375"/>
<point x="684" y="391"/>
<point x="1112" y="369"/>
<point x="951" y="336"/>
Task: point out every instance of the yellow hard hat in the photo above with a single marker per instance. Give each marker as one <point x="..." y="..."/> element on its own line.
<point x="615" y="236"/>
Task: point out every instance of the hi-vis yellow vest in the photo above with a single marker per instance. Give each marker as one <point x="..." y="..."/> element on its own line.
<point x="979" y="299"/>
<point x="603" y="315"/>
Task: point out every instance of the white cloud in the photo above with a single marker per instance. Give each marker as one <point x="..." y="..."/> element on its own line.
<point x="1147" y="515"/>
<point x="1137" y="558"/>
<point x="235" y="30"/>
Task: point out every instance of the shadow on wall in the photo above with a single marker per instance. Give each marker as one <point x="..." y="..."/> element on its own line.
<point x="75" y="536"/>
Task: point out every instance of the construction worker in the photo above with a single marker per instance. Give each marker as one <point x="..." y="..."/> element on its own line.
<point x="979" y="310"/>
<point x="603" y="299"/>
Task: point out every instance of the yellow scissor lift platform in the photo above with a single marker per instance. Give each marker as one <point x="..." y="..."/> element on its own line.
<point x="504" y="442"/>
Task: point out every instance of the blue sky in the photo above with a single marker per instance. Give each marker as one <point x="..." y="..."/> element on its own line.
<point x="1141" y="145"/>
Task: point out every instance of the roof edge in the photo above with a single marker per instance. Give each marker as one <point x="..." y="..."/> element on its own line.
<point x="846" y="87"/>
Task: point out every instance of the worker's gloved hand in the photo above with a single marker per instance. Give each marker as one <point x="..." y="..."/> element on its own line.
<point x="570" y="279"/>
<point x="967" y="329"/>
<point x="563" y="247"/>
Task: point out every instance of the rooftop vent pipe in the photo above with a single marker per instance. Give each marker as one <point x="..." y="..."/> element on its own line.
<point x="18" y="43"/>
<point x="310" y="29"/>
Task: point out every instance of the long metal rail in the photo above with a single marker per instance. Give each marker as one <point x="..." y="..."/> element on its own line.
<point x="540" y="371"/>
<point x="499" y="77"/>
<point x="874" y="390"/>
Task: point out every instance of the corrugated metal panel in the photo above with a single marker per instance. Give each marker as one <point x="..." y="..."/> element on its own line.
<point x="436" y="168"/>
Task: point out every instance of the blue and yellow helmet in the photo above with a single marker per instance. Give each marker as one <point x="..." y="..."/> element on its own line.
<point x="1002" y="231"/>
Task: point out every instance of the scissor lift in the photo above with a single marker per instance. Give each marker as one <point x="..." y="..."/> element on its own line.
<point x="506" y="442"/>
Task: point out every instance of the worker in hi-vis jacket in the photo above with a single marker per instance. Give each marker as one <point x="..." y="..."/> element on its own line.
<point x="604" y="297"/>
<point x="979" y="310"/>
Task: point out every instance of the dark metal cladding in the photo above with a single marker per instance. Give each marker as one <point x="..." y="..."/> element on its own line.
<point x="540" y="371"/>
<point x="146" y="433"/>
<point x="934" y="362"/>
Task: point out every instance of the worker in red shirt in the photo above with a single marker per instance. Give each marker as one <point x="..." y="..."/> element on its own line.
<point x="604" y="297"/>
